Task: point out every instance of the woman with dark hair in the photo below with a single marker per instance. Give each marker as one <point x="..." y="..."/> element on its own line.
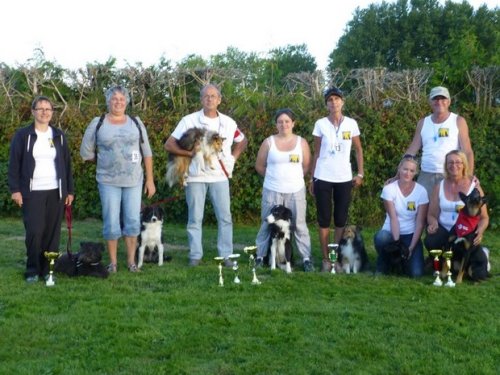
<point x="122" y="144"/>
<point x="332" y="178"/>
<point x="41" y="183"/>
<point x="283" y="160"/>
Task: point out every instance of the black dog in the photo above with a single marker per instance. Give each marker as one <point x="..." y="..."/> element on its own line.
<point x="280" y="246"/>
<point x="150" y="241"/>
<point x="87" y="262"/>
<point x="398" y="253"/>
<point x="468" y="258"/>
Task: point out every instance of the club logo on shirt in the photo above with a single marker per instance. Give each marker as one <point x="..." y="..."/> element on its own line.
<point x="411" y="206"/>
<point x="346" y="135"/>
<point x="294" y="158"/>
<point x="443" y="132"/>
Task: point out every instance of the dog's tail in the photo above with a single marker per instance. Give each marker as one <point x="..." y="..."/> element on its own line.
<point x="171" y="175"/>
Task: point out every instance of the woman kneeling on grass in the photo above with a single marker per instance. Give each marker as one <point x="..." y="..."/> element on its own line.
<point x="406" y="203"/>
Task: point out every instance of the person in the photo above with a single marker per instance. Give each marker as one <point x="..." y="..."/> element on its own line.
<point x="283" y="160"/>
<point x="334" y="136"/>
<point x="406" y="204"/>
<point x="437" y="134"/>
<point x="445" y="202"/>
<point x="41" y="183"/>
<point x="121" y="146"/>
<point x="213" y="181"/>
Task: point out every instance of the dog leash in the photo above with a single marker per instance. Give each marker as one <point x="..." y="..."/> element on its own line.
<point x="68" y="215"/>
<point x="223" y="168"/>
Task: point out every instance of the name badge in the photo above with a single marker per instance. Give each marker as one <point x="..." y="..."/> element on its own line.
<point x="136" y="156"/>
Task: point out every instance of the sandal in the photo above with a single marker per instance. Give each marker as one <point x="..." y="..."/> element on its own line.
<point x="133" y="268"/>
<point x="111" y="268"/>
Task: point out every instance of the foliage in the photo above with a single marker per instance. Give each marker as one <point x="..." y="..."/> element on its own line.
<point x="177" y="320"/>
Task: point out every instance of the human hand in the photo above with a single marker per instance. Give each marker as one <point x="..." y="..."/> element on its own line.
<point x="432" y="228"/>
<point x="357" y="181"/>
<point x="69" y="199"/>
<point x="149" y="188"/>
<point x="17" y="198"/>
<point x="478" y="238"/>
<point x="310" y="187"/>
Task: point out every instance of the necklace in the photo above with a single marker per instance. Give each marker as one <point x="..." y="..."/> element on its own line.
<point x="335" y="141"/>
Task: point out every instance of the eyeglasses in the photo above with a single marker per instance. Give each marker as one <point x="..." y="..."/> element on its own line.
<point x="42" y="110"/>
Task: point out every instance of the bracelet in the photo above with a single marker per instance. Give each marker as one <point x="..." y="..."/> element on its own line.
<point x="360" y="175"/>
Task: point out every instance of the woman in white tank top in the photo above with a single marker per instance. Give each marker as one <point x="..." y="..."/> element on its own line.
<point x="283" y="160"/>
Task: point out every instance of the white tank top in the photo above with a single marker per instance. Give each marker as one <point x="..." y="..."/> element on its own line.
<point x="449" y="209"/>
<point x="284" y="173"/>
<point x="437" y="141"/>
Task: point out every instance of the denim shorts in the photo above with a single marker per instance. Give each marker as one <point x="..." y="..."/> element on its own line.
<point x="121" y="210"/>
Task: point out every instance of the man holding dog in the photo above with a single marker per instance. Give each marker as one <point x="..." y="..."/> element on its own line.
<point x="436" y="135"/>
<point x="215" y="182"/>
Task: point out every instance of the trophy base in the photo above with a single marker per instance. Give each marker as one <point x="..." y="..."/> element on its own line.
<point x="237" y="280"/>
<point x="50" y="282"/>
<point x="450" y="284"/>
<point x="437" y="282"/>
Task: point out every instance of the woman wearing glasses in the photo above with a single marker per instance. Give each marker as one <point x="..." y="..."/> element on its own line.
<point x="445" y="202"/>
<point x="41" y="183"/>
<point x="406" y="203"/>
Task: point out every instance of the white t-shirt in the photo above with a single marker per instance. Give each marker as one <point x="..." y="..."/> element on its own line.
<point x="334" y="161"/>
<point x="406" y="207"/>
<point x="284" y="172"/>
<point x="44" y="153"/>
<point x="437" y="141"/>
<point x="227" y="128"/>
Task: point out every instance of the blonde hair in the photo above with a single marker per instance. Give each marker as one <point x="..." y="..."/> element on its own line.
<point x="411" y="159"/>
<point x="463" y="158"/>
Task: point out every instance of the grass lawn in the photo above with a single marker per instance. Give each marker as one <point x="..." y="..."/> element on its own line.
<point x="177" y="320"/>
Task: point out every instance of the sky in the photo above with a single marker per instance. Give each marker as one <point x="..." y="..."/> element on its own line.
<point x="74" y="33"/>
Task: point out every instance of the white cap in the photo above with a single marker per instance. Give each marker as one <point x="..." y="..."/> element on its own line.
<point x="439" y="91"/>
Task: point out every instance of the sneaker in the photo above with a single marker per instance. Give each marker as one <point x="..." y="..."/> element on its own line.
<point x="32" y="279"/>
<point x="259" y="263"/>
<point x="308" y="266"/>
<point x="133" y="268"/>
<point x="194" y="262"/>
<point x="326" y="266"/>
<point x="111" y="268"/>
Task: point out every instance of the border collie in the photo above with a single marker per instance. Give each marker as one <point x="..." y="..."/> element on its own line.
<point x="280" y="246"/>
<point x="150" y="240"/>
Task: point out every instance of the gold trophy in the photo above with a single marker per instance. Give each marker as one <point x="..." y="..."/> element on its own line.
<point x="251" y="251"/>
<point x="333" y="255"/>
<point x="436" y="253"/>
<point x="234" y="259"/>
<point x="447" y="255"/>
<point x="219" y="260"/>
<point x="51" y="257"/>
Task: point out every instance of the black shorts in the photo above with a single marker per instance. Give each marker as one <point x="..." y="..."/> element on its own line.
<point x="336" y="193"/>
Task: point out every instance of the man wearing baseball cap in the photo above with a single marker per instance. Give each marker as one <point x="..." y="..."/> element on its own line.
<point x="436" y="135"/>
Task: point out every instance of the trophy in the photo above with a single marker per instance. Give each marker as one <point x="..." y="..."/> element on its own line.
<point x="251" y="251"/>
<point x="436" y="253"/>
<point x="333" y="255"/>
<point x="447" y="255"/>
<point x="51" y="257"/>
<point x="234" y="259"/>
<point x="219" y="260"/>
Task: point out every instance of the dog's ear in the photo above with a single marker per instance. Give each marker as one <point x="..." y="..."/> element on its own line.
<point x="484" y="200"/>
<point x="462" y="196"/>
<point x="161" y="210"/>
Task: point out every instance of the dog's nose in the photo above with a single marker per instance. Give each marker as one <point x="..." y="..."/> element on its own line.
<point x="153" y="219"/>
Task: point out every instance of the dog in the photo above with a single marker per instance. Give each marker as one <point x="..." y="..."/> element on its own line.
<point x="468" y="258"/>
<point x="398" y="253"/>
<point x="280" y="245"/>
<point x="87" y="262"/>
<point x="150" y="247"/>
<point x="352" y="255"/>
<point x="205" y="144"/>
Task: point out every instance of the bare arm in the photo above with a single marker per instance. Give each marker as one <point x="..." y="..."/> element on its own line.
<point x="149" y="186"/>
<point x="484" y="220"/>
<point x="356" y="142"/>
<point x="419" y="225"/>
<point x="306" y="157"/>
<point x="317" y="149"/>
<point x="261" y="162"/>
<point x="416" y="143"/>
<point x="464" y="142"/>
<point x="390" y="208"/>
<point x="172" y="147"/>
<point x="433" y="211"/>
<point x="238" y="148"/>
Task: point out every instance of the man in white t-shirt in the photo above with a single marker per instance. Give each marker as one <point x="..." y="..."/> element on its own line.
<point x="436" y="135"/>
<point x="214" y="181"/>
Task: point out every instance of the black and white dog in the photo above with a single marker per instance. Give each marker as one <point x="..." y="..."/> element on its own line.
<point x="352" y="252"/>
<point x="150" y="240"/>
<point x="280" y="246"/>
<point x="87" y="262"/>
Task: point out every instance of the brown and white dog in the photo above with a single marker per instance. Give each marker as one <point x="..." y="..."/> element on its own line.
<point x="352" y="255"/>
<point x="205" y="144"/>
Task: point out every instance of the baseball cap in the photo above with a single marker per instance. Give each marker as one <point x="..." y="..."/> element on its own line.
<point x="439" y="91"/>
<point x="333" y="91"/>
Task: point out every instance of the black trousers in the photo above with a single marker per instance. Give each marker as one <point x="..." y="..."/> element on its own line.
<point x="42" y="216"/>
